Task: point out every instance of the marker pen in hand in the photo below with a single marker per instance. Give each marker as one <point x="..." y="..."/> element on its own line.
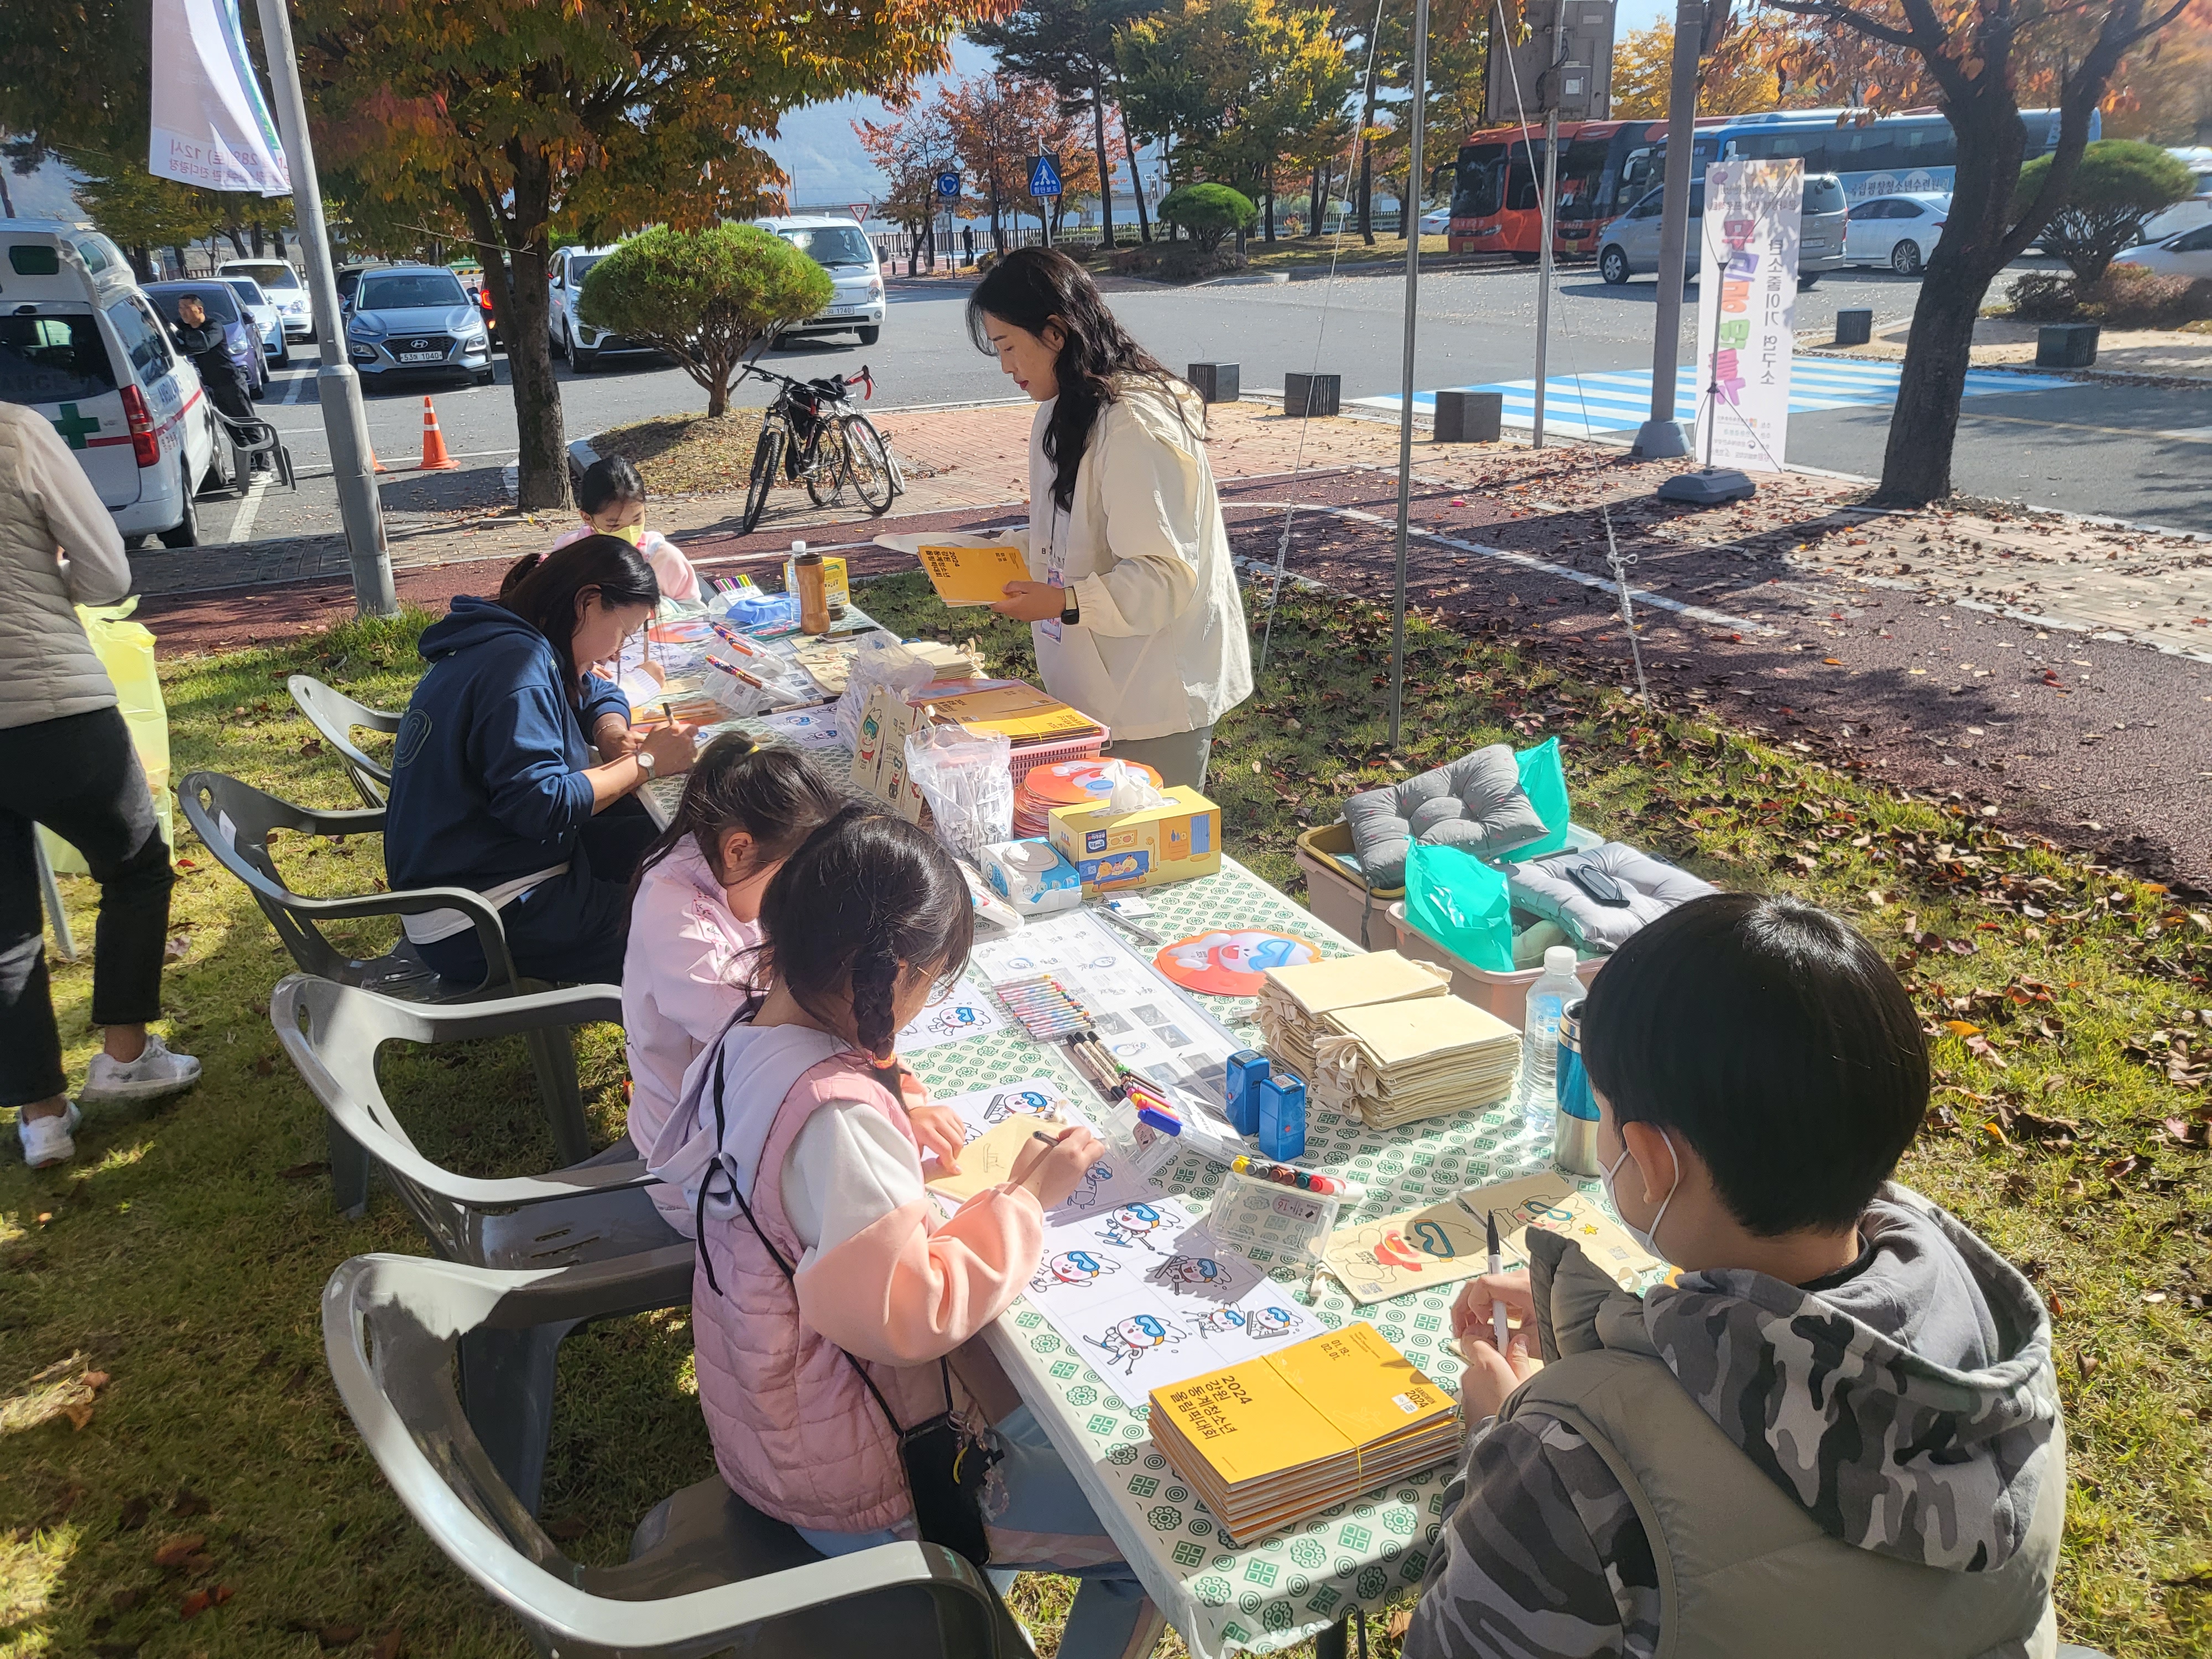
<point x="1497" y="1309"/>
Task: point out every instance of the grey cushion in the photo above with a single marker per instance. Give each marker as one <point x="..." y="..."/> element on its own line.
<point x="1543" y="888"/>
<point x="1475" y="803"/>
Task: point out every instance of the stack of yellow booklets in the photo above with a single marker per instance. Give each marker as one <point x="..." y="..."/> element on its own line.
<point x="1398" y="1062"/>
<point x="1271" y="1440"/>
<point x="1015" y="708"/>
<point x="1295" y="1002"/>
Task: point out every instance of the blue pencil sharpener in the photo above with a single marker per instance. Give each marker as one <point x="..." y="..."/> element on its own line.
<point x="1282" y="1117"/>
<point x="1247" y="1068"/>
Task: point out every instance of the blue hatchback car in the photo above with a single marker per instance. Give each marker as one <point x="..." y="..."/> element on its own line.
<point x="416" y="319"/>
<point x="220" y="301"/>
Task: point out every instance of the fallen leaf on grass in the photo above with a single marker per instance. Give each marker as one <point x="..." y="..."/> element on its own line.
<point x="568" y="1529"/>
<point x="387" y="1646"/>
<point x="175" y="1552"/>
<point x="337" y="1636"/>
<point x="79" y="1412"/>
<point x="132" y="1514"/>
<point x="301" y="1171"/>
<point x="1961" y="1028"/>
<point x="188" y="1503"/>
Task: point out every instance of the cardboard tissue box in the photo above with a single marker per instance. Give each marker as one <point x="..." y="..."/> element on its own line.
<point x="1172" y="842"/>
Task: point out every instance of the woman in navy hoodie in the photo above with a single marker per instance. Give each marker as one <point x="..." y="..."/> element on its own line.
<point x="492" y="788"/>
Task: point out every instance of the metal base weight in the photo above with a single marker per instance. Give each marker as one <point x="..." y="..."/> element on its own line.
<point x="1708" y="487"/>
<point x="1659" y="440"/>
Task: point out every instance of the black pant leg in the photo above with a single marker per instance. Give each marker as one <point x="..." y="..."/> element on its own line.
<point x="99" y="803"/>
<point x="30" y="1044"/>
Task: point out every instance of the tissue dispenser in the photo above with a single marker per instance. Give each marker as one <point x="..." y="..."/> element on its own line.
<point x="1111" y="850"/>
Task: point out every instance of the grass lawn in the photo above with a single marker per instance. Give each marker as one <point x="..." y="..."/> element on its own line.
<point x="177" y="1477"/>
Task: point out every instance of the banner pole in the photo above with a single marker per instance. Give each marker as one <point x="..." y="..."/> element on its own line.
<point x="338" y="387"/>
<point x="1409" y="221"/>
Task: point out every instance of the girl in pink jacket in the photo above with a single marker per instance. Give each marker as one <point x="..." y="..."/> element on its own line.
<point x="832" y="1310"/>
<point x="694" y="917"/>
<point x="610" y="500"/>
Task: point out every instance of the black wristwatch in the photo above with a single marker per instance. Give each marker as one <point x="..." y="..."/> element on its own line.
<point x="1070" y="612"/>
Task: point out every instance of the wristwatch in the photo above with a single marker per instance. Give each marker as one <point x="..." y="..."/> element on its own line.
<point x="644" y="759"/>
<point x="1070" y="612"/>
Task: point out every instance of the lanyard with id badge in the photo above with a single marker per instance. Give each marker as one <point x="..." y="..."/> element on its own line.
<point x="1055" y="568"/>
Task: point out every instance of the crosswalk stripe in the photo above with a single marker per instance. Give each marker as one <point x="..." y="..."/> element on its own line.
<point x="1611" y="400"/>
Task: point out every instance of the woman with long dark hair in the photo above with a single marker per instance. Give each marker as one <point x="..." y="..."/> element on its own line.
<point x="492" y="785"/>
<point x="1133" y="606"/>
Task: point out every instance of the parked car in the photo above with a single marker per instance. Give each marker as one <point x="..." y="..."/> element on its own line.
<point x="81" y="343"/>
<point x="1897" y="231"/>
<point x="2193" y="210"/>
<point x="281" y="283"/>
<point x="258" y="306"/>
<point x="572" y="336"/>
<point x="349" y="278"/>
<point x="416" y="319"/>
<point x="483" y="297"/>
<point x="224" y="308"/>
<point x="2189" y="254"/>
<point x="1630" y="245"/>
<point x="839" y="247"/>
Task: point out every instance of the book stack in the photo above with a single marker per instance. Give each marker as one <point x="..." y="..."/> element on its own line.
<point x="1267" y="1442"/>
<point x="1390" y="1063"/>
<point x="1025" y="714"/>
<point x="1295" y="1002"/>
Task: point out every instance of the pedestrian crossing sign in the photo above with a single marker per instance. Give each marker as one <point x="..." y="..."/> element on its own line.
<point x="1044" y="175"/>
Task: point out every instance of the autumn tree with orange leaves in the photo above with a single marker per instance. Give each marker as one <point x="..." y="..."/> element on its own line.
<point x="998" y="121"/>
<point x="1982" y="59"/>
<point x="909" y="151"/>
<point x="589" y="117"/>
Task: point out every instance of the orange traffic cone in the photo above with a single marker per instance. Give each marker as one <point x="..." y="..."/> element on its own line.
<point x="374" y="465"/>
<point x="435" y="458"/>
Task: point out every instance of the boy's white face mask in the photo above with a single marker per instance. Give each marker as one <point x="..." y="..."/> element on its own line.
<point x="1648" y="1238"/>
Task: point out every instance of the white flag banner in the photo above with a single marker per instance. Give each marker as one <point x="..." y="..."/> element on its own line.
<point x="211" y="126"/>
<point x="1747" y="298"/>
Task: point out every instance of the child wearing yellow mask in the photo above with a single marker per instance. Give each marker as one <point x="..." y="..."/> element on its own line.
<point x="610" y="500"/>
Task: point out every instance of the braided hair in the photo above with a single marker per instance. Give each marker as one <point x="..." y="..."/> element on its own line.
<point x="866" y="895"/>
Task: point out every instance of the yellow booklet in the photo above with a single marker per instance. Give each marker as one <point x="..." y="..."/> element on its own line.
<point x="972" y="575"/>
<point x="1023" y="713"/>
<point x="1280" y="1437"/>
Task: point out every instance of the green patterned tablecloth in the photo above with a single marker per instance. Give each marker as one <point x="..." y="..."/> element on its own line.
<point x="1273" y="1594"/>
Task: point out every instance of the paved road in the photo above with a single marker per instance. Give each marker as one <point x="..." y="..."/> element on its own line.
<point x="2134" y="451"/>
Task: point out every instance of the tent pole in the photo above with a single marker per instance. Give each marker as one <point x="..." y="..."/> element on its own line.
<point x="1410" y="223"/>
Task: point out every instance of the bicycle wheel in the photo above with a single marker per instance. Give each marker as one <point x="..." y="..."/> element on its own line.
<point x="768" y="458"/>
<point x="868" y="463"/>
<point x="827" y="466"/>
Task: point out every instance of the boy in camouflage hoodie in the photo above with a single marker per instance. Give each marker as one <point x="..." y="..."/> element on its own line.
<point x="1837" y="1431"/>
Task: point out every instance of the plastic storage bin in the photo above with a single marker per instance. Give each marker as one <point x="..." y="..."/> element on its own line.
<point x="1505" y="996"/>
<point x="1340" y="897"/>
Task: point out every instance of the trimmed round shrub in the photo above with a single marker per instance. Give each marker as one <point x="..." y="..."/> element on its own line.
<point x="1208" y="212"/>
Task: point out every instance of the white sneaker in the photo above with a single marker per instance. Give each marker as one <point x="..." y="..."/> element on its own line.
<point x="155" y="1072"/>
<point x="49" y="1140"/>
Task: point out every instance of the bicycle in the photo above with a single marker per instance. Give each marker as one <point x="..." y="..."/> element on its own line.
<point x="813" y="436"/>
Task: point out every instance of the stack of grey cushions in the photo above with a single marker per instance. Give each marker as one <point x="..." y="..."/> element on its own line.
<point x="1648" y="888"/>
<point x="1475" y="803"/>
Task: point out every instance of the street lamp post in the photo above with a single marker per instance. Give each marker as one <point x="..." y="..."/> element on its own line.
<point x="338" y="387"/>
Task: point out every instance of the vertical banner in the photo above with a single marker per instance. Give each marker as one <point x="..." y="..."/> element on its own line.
<point x="1747" y="298"/>
<point x="211" y="126"/>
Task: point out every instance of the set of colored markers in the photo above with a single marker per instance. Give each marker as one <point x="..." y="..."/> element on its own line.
<point x="1044" y="1007"/>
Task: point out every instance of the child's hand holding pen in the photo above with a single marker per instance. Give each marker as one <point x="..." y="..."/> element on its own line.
<point x="1051" y="1164"/>
<point x="1493" y="1373"/>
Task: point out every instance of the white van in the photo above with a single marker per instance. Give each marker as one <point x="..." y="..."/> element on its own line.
<point x="841" y="247"/>
<point x="79" y="345"/>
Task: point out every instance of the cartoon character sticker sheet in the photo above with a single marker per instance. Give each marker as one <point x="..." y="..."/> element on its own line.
<point x="1148" y="1025"/>
<point x="1044" y="1098"/>
<point x="1148" y="1297"/>
<point x="969" y="1011"/>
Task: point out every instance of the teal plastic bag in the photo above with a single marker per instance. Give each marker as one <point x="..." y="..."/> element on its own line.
<point x="1544" y="780"/>
<point x="1459" y="901"/>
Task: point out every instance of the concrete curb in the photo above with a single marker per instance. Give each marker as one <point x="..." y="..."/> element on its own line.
<point x="581" y="457"/>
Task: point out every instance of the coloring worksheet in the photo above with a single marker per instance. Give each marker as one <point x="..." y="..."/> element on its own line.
<point x="1047" y="1099"/>
<point x="1149" y="1026"/>
<point x="968" y="1011"/>
<point x="1142" y="1293"/>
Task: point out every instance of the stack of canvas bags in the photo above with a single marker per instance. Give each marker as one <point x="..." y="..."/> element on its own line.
<point x="1295" y="1001"/>
<point x="1399" y="1062"/>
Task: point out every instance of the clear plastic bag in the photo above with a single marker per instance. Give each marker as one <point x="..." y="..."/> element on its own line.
<point x="962" y="775"/>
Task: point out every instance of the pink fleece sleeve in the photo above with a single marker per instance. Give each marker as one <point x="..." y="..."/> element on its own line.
<point x="898" y="1292"/>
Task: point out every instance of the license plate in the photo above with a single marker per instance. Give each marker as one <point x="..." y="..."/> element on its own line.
<point x="421" y="356"/>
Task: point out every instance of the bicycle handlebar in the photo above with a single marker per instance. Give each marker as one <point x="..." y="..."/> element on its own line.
<point x="865" y="380"/>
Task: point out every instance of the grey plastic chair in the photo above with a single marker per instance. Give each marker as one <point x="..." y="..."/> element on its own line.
<point x="335" y="715"/>
<point x="234" y="819"/>
<point x="706" y="1572"/>
<point x="596" y="1210"/>
<point x="249" y="438"/>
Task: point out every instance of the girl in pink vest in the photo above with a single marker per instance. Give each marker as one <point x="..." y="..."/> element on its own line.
<point x="694" y="919"/>
<point x="832" y="1310"/>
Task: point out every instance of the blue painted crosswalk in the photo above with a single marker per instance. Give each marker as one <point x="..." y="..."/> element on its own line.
<point x="1581" y="405"/>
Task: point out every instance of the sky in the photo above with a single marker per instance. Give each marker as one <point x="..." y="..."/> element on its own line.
<point x="818" y="149"/>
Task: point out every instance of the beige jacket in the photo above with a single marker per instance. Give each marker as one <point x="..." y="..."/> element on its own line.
<point x="1163" y="646"/>
<point x="58" y="549"/>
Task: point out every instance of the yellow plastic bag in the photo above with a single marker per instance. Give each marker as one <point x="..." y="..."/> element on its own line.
<point x="125" y="650"/>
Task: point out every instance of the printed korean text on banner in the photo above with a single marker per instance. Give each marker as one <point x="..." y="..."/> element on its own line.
<point x="1747" y="298"/>
<point x="211" y="126"/>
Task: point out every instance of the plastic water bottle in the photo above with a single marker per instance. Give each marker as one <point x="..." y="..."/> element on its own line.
<point x="1540" y="1036"/>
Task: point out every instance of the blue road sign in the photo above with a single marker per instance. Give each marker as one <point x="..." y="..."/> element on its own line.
<point x="1044" y="176"/>
<point x="948" y="185"/>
